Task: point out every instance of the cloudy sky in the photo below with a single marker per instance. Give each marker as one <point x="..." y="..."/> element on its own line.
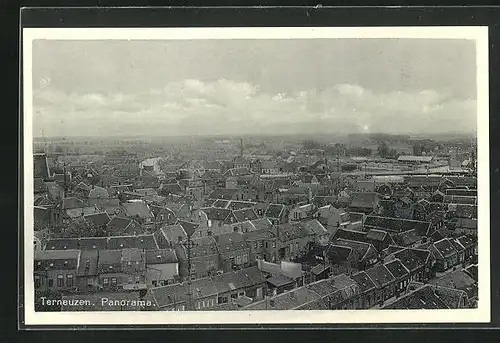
<point x="105" y="88"/>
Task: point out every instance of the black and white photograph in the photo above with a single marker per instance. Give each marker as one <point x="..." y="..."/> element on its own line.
<point x="289" y="175"/>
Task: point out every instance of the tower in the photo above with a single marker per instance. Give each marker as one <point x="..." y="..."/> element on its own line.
<point x="241" y="147"/>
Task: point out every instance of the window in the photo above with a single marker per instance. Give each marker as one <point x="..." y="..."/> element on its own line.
<point x="113" y="281"/>
<point x="105" y="281"/>
<point x="60" y="280"/>
<point x="38" y="282"/>
<point x="274" y="244"/>
<point x="137" y="279"/>
<point x="261" y="244"/>
<point x="69" y="280"/>
<point x="267" y="245"/>
<point x="203" y="303"/>
<point x="154" y="283"/>
<point x="297" y="246"/>
<point x="255" y="245"/>
<point x="90" y="281"/>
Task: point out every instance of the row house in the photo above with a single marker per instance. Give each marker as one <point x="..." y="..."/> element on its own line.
<point x="210" y="292"/>
<point x="123" y="269"/>
<point x="364" y="202"/>
<point x="347" y="257"/>
<point x="56" y="270"/>
<point x="147" y="241"/>
<point x="420" y="263"/>
<point x="294" y="241"/>
<point x="162" y="267"/>
<point x="339" y="292"/>
<point x="385" y="283"/>
<point x="205" y="258"/>
<point x="367" y="298"/>
<point x="263" y="245"/>
<point x="431" y="297"/>
<point x="397" y="225"/>
<point x="460" y="280"/>
<point x="450" y="252"/>
<point x="379" y="239"/>
<point x="234" y="251"/>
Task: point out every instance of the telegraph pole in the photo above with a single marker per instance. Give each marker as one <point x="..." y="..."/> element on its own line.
<point x="190" y="291"/>
<point x="189" y="232"/>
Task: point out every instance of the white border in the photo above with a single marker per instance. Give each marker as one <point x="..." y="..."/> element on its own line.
<point x="479" y="315"/>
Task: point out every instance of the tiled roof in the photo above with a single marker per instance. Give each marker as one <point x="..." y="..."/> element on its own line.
<point x="223" y="193"/>
<point x="141" y="241"/>
<point x="424" y="297"/>
<point x="98" y="192"/>
<point x="221" y="203"/>
<point x="92" y="243"/>
<point x="98" y="219"/>
<point x="117" y="225"/>
<point x="363" y="281"/>
<point x="56" y="260"/>
<point x="376" y="235"/>
<point x="275" y="210"/>
<point x="160" y="256"/>
<point x="72" y="202"/>
<point x="82" y="211"/>
<point x="361" y="248"/>
<point x="445" y="248"/>
<point x="314" y="226"/>
<point x="397" y="225"/>
<point x="363" y="199"/>
<point x="337" y="254"/>
<point x="380" y="275"/>
<point x="409" y="259"/>
<point x="230" y="242"/>
<point x="137" y="208"/>
<point x="397" y="269"/>
<point x="62" y="244"/>
<point x="245" y="214"/>
<point x="88" y="263"/>
<point x="174" y="233"/>
<point x="240" y="279"/>
<point x="456" y="199"/>
<point x="407" y="238"/>
<point x="458" y="279"/>
<point x="170" y="188"/>
<point x="217" y="214"/>
<point x="288" y="232"/>
<point x="239" y="205"/>
<point x="467" y="241"/>
<point x="109" y="261"/>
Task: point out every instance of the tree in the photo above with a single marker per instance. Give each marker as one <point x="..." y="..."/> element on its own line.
<point x="383" y="150"/>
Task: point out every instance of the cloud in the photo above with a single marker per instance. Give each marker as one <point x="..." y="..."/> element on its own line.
<point x="224" y="107"/>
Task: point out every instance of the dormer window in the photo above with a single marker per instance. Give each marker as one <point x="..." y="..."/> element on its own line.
<point x="121" y="245"/>
<point x="51" y="265"/>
